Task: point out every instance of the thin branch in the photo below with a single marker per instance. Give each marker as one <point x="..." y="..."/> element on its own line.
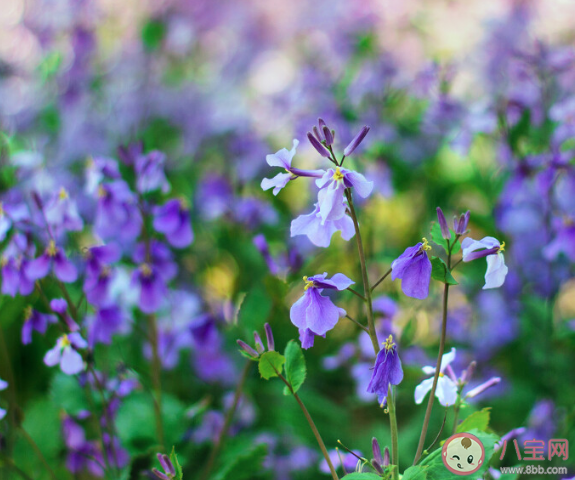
<point x="381" y="279"/>
<point x="355" y="292"/>
<point x="363" y="327"/>
<point x="438" y="433"/>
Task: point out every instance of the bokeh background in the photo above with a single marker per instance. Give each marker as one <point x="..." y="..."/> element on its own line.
<point x="471" y="106"/>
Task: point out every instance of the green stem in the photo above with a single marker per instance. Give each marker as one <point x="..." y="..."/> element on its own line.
<point x="363" y="327"/>
<point x="356" y="293"/>
<point x="365" y="279"/>
<point x="227" y="422"/>
<point x="393" y="428"/>
<point x="156" y="379"/>
<point x="38" y="452"/>
<point x="456" y="412"/>
<point x="311" y="424"/>
<point x="381" y="280"/>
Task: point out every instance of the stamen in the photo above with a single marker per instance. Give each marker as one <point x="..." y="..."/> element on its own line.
<point x="389" y="344"/>
<point x="27" y="313"/>
<point x="146" y="270"/>
<point x="308" y="284"/>
<point x="63" y="195"/>
<point x="337" y="176"/>
<point x="501" y="247"/>
<point x="65" y="341"/>
<point x="425" y="245"/>
<point x="52" y="249"/>
<point x="102" y="192"/>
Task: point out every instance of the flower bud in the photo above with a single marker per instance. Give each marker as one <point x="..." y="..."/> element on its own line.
<point x="259" y="344"/>
<point x="317" y="134"/>
<point x="160" y="475"/>
<point x="168" y="466"/>
<point x="376" y="451"/>
<point x="269" y="337"/>
<point x="246" y="348"/>
<point x="356" y="141"/>
<point x="328" y="136"/>
<point x="324" y="152"/>
<point x="484" y="386"/>
<point x="385" y="458"/>
<point x="460" y="226"/>
<point x="445" y="233"/>
<point x="467" y="374"/>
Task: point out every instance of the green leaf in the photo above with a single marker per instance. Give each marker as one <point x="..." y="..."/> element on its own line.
<point x="176" y="464"/>
<point x="416" y="472"/>
<point x="255" y="309"/>
<point x="245" y="465"/>
<point x="362" y="476"/>
<point x="438" y="239"/>
<point x="153" y="33"/>
<point x="270" y="361"/>
<point x="478" y="420"/>
<point x="440" y="272"/>
<point x="295" y="366"/>
<point x="67" y="393"/>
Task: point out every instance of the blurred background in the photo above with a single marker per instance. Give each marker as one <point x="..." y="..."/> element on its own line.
<point x="471" y="107"/>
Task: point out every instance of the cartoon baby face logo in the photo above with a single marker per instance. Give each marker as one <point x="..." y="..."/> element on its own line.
<point x="463" y="454"/>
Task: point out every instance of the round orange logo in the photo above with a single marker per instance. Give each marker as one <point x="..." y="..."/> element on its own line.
<point x="463" y="454"/>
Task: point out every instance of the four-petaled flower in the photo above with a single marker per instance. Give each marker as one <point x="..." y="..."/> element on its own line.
<point x="320" y="232"/>
<point x="490" y="248"/>
<point x="53" y="258"/>
<point x="386" y="371"/>
<point x="446" y="390"/>
<point x="414" y="268"/>
<point x="65" y="353"/>
<point x="173" y="220"/>
<point x="313" y="314"/>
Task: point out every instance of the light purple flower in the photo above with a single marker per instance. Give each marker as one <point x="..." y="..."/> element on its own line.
<point x="315" y="314"/>
<point x="414" y="268"/>
<point x="387" y="371"/>
<point x="106" y="322"/>
<point x="173" y="220"/>
<point x="100" y="169"/>
<point x="332" y="185"/>
<point x="34" y="320"/>
<point x="564" y="241"/>
<point x="446" y="390"/>
<point x="65" y="353"/>
<point x="99" y="272"/>
<point x="62" y="214"/>
<point x="52" y="259"/>
<point x="151" y="286"/>
<point x="320" y="232"/>
<point x="150" y="172"/>
<point x="117" y="212"/>
<point x="491" y="248"/>
<point x="14" y="278"/>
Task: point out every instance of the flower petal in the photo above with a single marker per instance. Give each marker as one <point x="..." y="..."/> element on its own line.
<point x="71" y="362"/>
<point x="496" y="271"/>
<point x="422" y="389"/>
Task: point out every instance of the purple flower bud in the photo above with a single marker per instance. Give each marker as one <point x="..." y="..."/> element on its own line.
<point x="484" y="386"/>
<point x="460" y="226"/>
<point x="375" y="464"/>
<point x="269" y="337"/>
<point x="159" y="474"/>
<point x="321" y="123"/>
<point x="168" y="466"/>
<point x="376" y="451"/>
<point x="451" y="373"/>
<point x="356" y="141"/>
<point x="328" y="135"/>
<point x="317" y="134"/>
<point x="324" y="152"/>
<point x="259" y="344"/>
<point x="445" y="233"/>
<point x="385" y="458"/>
<point x="249" y="350"/>
<point x="467" y="374"/>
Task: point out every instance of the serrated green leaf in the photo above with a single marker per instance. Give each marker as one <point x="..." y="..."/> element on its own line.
<point x="438" y="239"/>
<point x="440" y="272"/>
<point x="362" y="476"/>
<point x="245" y="465"/>
<point x="269" y="363"/>
<point x="176" y="464"/>
<point x="295" y="366"/>
<point x="478" y="420"/>
<point x="416" y="472"/>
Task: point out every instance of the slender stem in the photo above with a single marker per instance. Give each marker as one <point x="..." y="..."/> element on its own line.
<point x="456" y="413"/>
<point x="356" y="293"/>
<point x="363" y="327"/>
<point x="366" y="288"/>
<point x="227" y="422"/>
<point x="381" y="279"/>
<point x="311" y="424"/>
<point x="456" y="263"/>
<point x="156" y="379"/>
<point x="435" y="377"/>
<point x="38" y="452"/>
<point x="393" y="428"/>
<point x="71" y="304"/>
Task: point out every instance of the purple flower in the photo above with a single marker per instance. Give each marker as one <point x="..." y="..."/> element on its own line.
<point x="315" y="314"/>
<point x="564" y="241"/>
<point x="105" y="323"/>
<point x="99" y="169"/>
<point x="283" y="158"/>
<point x="53" y="258"/>
<point x="173" y="220"/>
<point x="167" y="466"/>
<point x="14" y="278"/>
<point x="332" y="185"/>
<point x="150" y="172"/>
<point x="34" y="320"/>
<point x="65" y="353"/>
<point x="387" y="371"/>
<point x="491" y="248"/>
<point x="152" y="287"/>
<point x="319" y="231"/>
<point x="445" y="233"/>
<point x="117" y="212"/>
<point x="414" y="268"/>
<point x="99" y="273"/>
<point x="159" y="256"/>
<point x="62" y="214"/>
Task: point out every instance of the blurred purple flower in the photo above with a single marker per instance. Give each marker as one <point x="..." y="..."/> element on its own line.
<point x="99" y="273"/>
<point x="65" y="353"/>
<point x="117" y="212"/>
<point x="103" y="324"/>
<point x="173" y="220"/>
<point x="52" y="259"/>
<point x="34" y="320"/>
<point x="61" y="214"/>
<point x="414" y="268"/>
<point x="150" y="174"/>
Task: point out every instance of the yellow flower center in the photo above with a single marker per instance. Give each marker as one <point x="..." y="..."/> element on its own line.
<point x="63" y="194"/>
<point x="52" y="249"/>
<point x="441" y="374"/>
<point x="389" y="344"/>
<point x="1" y="210"/>
<point x="27" y="313"/>
<point x="501" y="247"/>
<point x="308" y="284"/>
<point x="146" y="270"/>
<point x="184" y="204"/>
<point x="65" y="341"/>
<point x="425" y="245"/>
<point x="101" y="191"/>
<point x="105" y="272"/>
<point x="337" y="175"/>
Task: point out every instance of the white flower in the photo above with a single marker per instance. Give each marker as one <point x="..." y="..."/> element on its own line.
<point x="446" y="390"/>
<point x="493" y="251"/>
